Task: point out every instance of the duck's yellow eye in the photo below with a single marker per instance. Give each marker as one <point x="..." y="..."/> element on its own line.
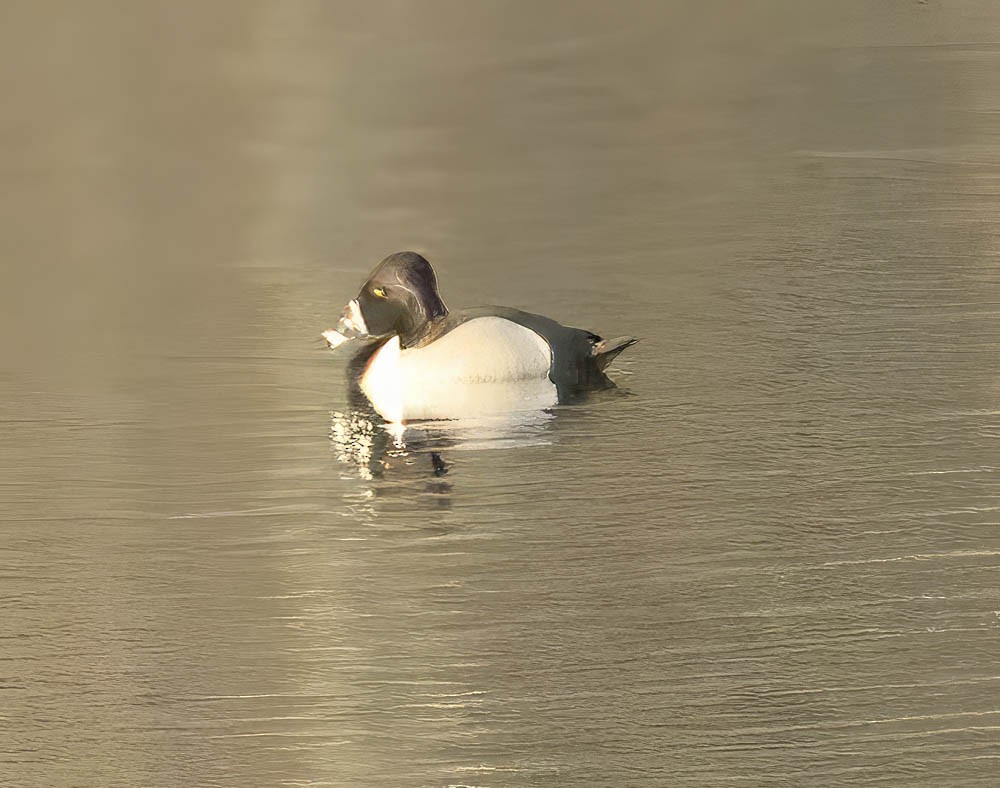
<point x="378" y="291"/>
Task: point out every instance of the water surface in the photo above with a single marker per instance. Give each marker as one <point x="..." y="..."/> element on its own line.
<point x="768" y="558"/>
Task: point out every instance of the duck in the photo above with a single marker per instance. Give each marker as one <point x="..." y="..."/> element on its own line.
<point x="418" y="360"/>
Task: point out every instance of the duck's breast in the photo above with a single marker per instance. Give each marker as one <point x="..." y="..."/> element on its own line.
<point x="485" y="365"/>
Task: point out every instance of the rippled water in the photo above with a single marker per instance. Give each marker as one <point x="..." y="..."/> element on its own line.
<point x="769" y="557"/>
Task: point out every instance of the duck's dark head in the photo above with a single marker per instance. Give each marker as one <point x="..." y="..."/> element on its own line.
<point x="400" y="297"/>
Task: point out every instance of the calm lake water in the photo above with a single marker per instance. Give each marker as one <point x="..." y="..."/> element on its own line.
<point x="769" y="558"/>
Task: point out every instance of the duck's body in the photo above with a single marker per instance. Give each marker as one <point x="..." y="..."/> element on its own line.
<point x="484" y="365"/>
<point x="429" y="363"/>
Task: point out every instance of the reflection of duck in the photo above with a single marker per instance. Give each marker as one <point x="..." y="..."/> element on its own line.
<point x="415" y="452"/>
<point x="382" y="457"/>
<point x="423" y="362"/>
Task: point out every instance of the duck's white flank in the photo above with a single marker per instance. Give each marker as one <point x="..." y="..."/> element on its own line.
<point x="487" y="365"/>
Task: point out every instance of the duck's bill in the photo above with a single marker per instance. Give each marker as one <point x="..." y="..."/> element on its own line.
<point x="350" y="326"/>
<point x="352" y="322"/>
<point x="334" y="339"/>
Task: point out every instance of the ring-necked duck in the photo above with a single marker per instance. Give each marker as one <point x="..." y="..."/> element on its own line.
<point x="423" y="362"/>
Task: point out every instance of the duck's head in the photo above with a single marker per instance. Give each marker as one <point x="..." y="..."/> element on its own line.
<point x="400" y="297"/>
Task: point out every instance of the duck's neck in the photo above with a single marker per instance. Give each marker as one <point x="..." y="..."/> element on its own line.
<point x="421" y="327"/>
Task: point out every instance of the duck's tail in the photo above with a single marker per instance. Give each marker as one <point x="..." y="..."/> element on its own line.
<point x="607" y="350"/>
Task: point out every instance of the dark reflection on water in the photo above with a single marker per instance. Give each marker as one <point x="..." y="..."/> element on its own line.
<point x="769" y="558"/>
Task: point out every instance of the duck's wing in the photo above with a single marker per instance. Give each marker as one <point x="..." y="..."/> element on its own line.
<point x="579" y="357"/>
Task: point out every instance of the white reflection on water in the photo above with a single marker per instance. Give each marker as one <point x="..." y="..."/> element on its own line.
<point x="353" y="436"/>
<point x="375" y="448"/>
